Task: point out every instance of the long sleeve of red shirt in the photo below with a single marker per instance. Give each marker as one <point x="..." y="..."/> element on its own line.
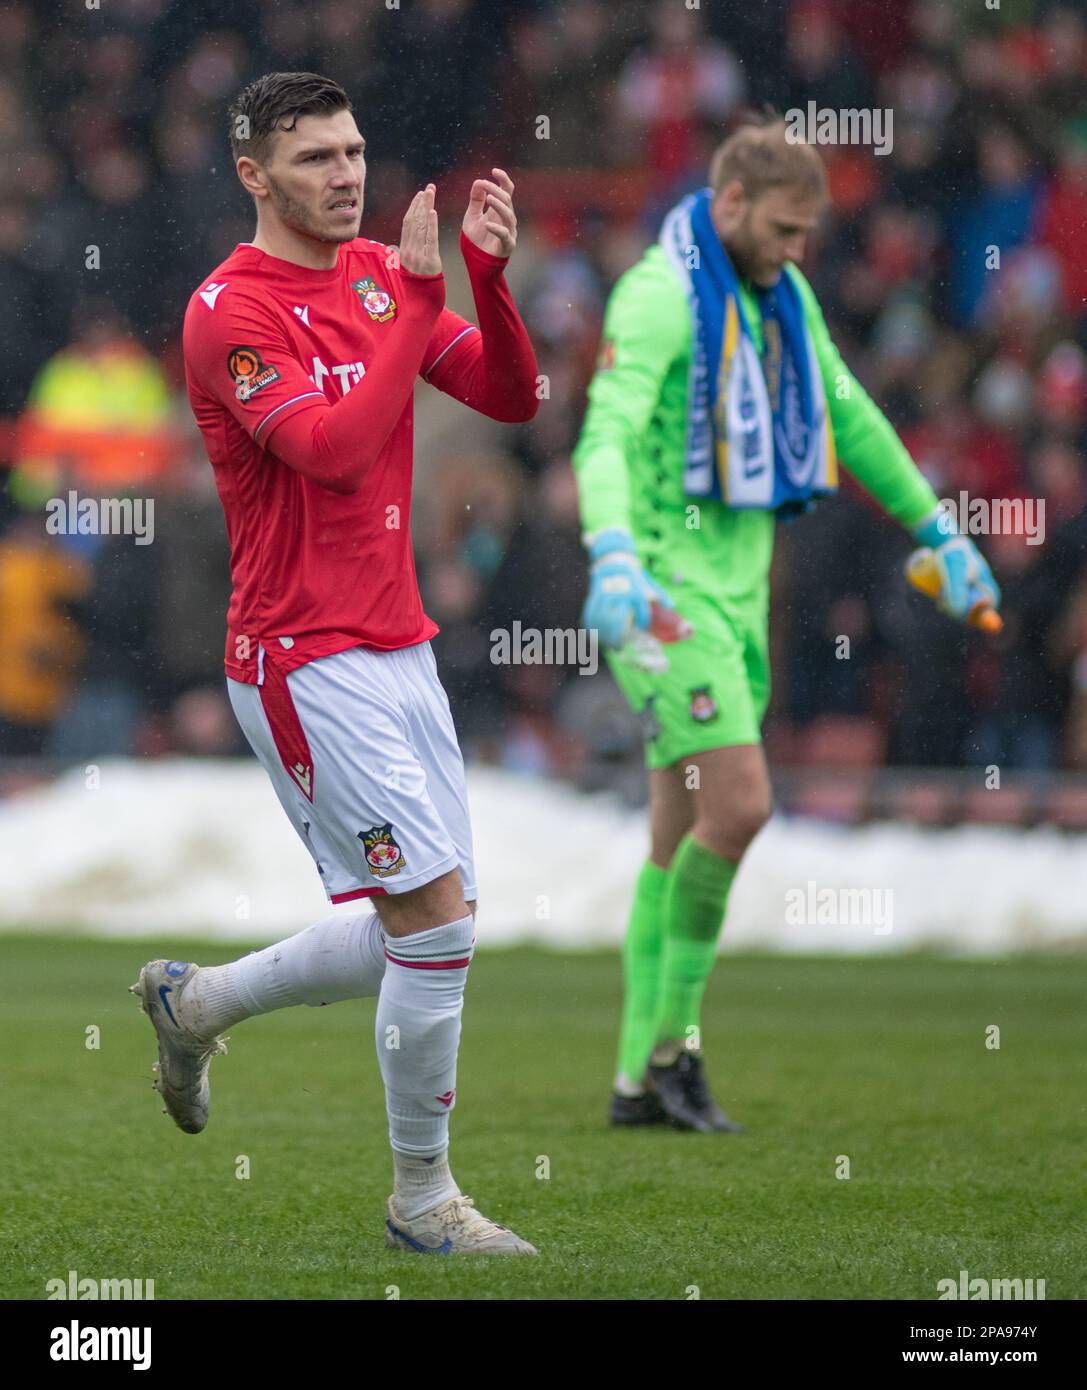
<point x="494" y="372"/>
<point x="336" y="445"/>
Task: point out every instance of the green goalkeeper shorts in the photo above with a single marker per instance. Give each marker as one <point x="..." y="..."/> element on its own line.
<point x="717" y="686"/>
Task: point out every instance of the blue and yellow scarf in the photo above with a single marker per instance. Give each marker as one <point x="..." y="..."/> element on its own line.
<point x="758" y="429"/>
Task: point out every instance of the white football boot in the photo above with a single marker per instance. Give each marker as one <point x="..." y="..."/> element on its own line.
<point x="184" y="1054"/>
<point x="454" y="1228"/>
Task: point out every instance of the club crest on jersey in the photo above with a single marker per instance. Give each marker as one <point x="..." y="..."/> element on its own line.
<point x="378" y="303"/>
<point x="384" y="856"/>
<point x="251" y="374"/>
<point x="703" y="705"/>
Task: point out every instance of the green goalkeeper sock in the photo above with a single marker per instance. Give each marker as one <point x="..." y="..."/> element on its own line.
<point x="641" y="970"/>
<point x="699" y="882"/>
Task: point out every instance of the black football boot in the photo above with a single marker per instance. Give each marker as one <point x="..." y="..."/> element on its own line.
<point x="685" y="1097"/>
<point x="698" y="1093"/>
<point x="636" y="1110"/>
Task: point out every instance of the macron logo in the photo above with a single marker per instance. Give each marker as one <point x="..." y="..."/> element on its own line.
<point x="446" y="1097"/>
<point x="211" y="294"/>
<point x="302" y="310"/>
<point x="301" y="774"/>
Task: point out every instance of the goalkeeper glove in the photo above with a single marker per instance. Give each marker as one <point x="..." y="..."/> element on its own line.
<point x="951" y="570"/>
<point x="621" y="594"/>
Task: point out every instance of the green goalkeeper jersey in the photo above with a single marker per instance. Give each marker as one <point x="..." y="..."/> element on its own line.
<point x="629" y="459"/>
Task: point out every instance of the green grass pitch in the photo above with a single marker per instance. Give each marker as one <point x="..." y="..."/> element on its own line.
<point x="961" y="1156"/>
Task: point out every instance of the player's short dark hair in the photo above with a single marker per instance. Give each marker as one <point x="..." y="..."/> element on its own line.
<point x="760" y="155"/>
<point x="274" y="102"/>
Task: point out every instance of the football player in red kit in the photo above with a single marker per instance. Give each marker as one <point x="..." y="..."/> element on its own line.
<point x="301" y="354"/>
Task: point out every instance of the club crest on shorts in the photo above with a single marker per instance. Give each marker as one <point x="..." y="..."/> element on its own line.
<point x="378" y="303"/>
<point x="703" y="705"/>
<point x="250" y="372"/>
<point x="384" y="856"/>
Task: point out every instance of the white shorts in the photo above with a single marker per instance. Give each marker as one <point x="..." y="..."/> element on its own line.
<point x="361" y="750"/>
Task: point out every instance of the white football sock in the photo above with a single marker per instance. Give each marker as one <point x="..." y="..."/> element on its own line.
<point x="666" y="1053"/>
<point x="421" y="1184"/>
<point x="417" y="1032"/>
<point x="335" y="959"/>
<point x="628" y="1087"/>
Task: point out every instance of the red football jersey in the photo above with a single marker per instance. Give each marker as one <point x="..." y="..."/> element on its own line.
<point x="314" y="571"/>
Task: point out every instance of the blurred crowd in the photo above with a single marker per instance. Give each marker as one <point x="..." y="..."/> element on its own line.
<point x="950" y="271"/>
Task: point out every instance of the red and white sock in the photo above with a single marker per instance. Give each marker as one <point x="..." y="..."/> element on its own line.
<point x="417" y="1033"/>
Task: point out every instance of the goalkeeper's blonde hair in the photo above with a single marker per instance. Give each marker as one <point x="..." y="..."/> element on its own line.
<point x="761" y="155"/>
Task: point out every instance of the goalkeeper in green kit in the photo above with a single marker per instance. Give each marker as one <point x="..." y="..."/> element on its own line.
<point x="719" y="405"/>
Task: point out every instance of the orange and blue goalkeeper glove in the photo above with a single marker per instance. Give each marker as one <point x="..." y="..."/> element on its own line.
<point x="952" y="571"/>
